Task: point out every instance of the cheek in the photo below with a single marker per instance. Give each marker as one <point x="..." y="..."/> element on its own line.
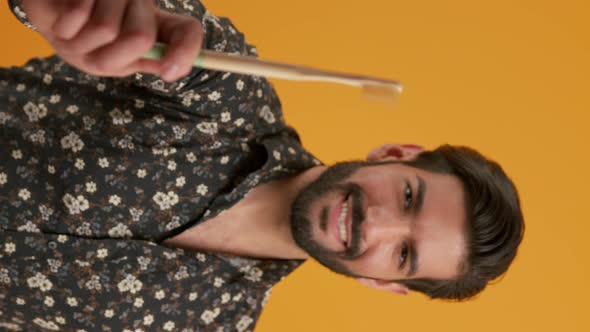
<point x="376" y="263"/>
<point x="377" y="190"/>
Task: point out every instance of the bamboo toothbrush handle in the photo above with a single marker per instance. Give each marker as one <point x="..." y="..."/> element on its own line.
<point x="253" y="66"/>
<point x="250" y="66"/>
<point x="240" y="64"/>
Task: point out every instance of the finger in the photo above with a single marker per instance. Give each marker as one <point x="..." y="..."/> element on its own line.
<point x="137" y="36"/>
<point x="148" y="66"/>
<point x="102" y="28"/>
<point x="72" y="17"/>
<point x="184" y="36"/>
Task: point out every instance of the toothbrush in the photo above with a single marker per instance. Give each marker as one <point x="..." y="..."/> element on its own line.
<point x="372" y="88"/>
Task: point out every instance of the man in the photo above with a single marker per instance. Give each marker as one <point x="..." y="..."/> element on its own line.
<point x="128" y="202"/>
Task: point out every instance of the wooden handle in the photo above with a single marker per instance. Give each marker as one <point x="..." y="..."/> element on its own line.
<point x="253" y="66"/>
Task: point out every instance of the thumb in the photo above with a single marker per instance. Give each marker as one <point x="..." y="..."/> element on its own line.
<point x="184" y="36"/>
<point x="147" y="66"/>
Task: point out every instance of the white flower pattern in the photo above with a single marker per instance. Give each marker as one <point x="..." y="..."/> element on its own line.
<point x="130" y="284"/>
<point x="165" y="201"/>
<point x="209" y="128"/>
<point x="76" y="204"/>
<point x="115" y="200"/>
<point x="72" y="141"/>
<point x="24" y="194"/>
<point x="35" y="112"/>
<point x="202" y="189"/>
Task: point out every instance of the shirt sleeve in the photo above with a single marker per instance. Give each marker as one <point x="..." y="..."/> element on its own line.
<point x="18" y="11"/>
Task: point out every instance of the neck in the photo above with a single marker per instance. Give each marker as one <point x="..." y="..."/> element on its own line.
<point x="266" y="215"/>
<point x="257" y="226"/>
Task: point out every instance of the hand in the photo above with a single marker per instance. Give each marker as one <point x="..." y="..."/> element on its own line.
<point x="109" y="37"/>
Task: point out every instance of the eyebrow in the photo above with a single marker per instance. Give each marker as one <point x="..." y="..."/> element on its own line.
<point x="413" y="261"/>
<point x="416" y="209"/>
<point x="419" y="195"/>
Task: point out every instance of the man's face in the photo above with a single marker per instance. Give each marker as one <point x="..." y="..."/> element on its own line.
<point x="385" y="221"/>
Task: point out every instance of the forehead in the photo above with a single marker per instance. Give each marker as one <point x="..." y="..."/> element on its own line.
<point x="439" y="231"/>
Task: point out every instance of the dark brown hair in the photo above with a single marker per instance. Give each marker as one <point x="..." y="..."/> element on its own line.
<point x="495" y="225"/>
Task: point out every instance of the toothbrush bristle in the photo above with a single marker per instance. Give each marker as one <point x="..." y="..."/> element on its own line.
<point x="382" y="92"/>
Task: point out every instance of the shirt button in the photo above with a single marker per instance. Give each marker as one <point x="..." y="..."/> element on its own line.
<point x="52" y="244"/>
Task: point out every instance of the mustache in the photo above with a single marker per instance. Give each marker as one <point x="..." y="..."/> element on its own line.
<point x="358" y="216"/>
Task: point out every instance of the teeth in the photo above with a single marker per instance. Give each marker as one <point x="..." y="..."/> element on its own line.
<point x="341" y="224"/>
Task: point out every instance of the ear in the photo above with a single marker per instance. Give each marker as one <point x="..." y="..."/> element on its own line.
<point x="388" y="286"/>
<point x="395" y="152"/>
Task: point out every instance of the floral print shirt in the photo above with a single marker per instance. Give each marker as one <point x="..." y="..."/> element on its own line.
<point x="95" y="173"/>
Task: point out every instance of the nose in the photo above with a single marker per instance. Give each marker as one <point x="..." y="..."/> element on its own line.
<point x="383" y="223"/>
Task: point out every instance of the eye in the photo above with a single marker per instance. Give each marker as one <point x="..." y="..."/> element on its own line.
<point x="403" y="254"/>
<point x="408" y="197"/>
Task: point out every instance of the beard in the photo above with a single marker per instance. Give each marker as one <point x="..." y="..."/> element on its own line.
<point x="333" y="180"/>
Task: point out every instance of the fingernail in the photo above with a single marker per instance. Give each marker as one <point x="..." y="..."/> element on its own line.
<point x="170" y="71"/>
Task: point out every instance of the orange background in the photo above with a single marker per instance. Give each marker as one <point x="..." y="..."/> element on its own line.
<point x="508" y="77"/>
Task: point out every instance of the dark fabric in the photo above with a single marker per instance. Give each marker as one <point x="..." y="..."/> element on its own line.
<point x="96" y="172"/>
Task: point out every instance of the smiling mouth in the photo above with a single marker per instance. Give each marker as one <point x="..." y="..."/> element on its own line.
<point x="342" y="224"/>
